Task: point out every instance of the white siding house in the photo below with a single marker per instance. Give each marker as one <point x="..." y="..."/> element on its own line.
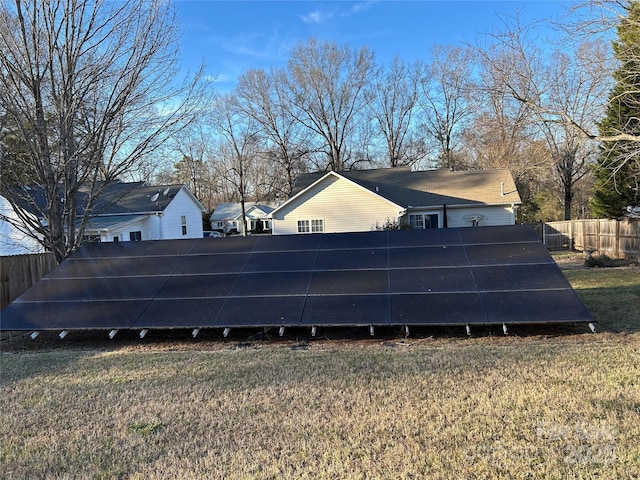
<point x="325" y="203"/>
<point x="149" y="213"/>
<point x="364" y="200"/>
<point x="227" y="217"/>
<point x="122" y="212"/>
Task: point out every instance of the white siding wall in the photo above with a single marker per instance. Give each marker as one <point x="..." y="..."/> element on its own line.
<point x="342" y="206"/>
<point x="171" y="226"/>
<point x="124" y="234"/>
<point x="12" y="240"/>
<point x="498" y="215"/>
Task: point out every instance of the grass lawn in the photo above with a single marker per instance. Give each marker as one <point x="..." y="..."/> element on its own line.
<point x="537" y="406"/>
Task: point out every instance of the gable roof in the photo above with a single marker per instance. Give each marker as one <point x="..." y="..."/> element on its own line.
<point x="116" y="198"/>
<point x="233" y="211"/>
<point x="427" y="188"/>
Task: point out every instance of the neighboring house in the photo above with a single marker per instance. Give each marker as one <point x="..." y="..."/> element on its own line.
<point x="363" y="200"/>
<point x="14" y="240"/>
<point x="227" y="217"/>
<point x="136" y="211"/>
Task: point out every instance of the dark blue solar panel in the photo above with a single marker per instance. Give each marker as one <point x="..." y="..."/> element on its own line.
<point x="126" y="288"/>
<point x="432" y="280"/>
<point x="167" y="247"/>
<point x="272" y="283"/>
<point x="508" y="254"/>
<point x="103" y="314"/>
<point x="261" y="311"/>
<point x="534" y="307"/>
<point x="85" y="268"/>
<point x="111" y="249"/>
<point x="498" y="234"/>
<point x="429" y="277"/>
<point x="54" y="290"/>
<point x="233" y="244"/>
<point x="214" y="263"/>
<point x="176" y="313"/>
<point x="441" y="309"/>
<point x="349" y="282"/>
<point x="414" y="257"/>
<point x="280" y="261"/>
<point x="337" y="310"/>
<point x="352" y="259"/>
<point x="146" y="266"/>
<point x="354" y="240"/>
<point x="268" y="243"/>
<point x="33" y="316"/>
<point x="519" y="277"/>
<point x="193" y="286"/>
<point x="423" y="238"/>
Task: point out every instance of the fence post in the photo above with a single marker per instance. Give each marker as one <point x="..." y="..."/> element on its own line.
<point x="571" y="242"/>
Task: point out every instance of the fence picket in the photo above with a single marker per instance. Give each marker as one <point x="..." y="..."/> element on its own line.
<point x="20" y="272"/>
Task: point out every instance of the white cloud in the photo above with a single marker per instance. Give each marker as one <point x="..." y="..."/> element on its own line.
<point x="317" y="16"/>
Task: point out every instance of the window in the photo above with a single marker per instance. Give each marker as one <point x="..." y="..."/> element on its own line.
<point x="313" y="226"/>
<point x="135" y="236"/>
<point x="317" y="226"/>
<point x="416" y="220"/>
<point x="303" y="226"/>
<point x="183" y="221"/>
<point x="423" y="220"/>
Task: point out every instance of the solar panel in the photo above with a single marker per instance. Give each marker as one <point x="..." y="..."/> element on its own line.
<point x="350" y="259"/>
<point x="456" y="276"/>
<point x="427" y="257"/>
<point x="180" y="313"/>
<point x="439" y="309"/>
<point x="253" y="311"/>
<point x="346" y="310"/>
<point x="432" y="280"/>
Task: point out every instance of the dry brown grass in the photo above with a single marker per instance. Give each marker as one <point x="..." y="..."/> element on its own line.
<point x="480" y="408"/>
<point x="541" y="406"/>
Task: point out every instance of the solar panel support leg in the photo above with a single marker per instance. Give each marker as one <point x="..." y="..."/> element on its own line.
<point x="143" y="332"/>
<point x="281" y="331"/>
<point x="112" y="333"/>
<point x="371" y="330"/>
<point x="34" y="335"/>
<point x="406" y="331"/>
<point x="313" y="331"/>
<point x="63" y="334"/>
<point x="592" y="327"/>
<point x="195" y="332"/>
<point x="468" y="328"/>
<point x="504" y="329"/>
<point x="226" y="332"/>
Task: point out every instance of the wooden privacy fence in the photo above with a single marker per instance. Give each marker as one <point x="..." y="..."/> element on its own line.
<point x="19" y="272"/>
<point x="615" y="238"/>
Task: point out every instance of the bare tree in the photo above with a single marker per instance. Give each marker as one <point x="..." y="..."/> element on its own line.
<point x="193" y="145"/>
<point x="392" y="103"/>
<point x="594" y="19"/>
<point x="325" y="84"/>
<point x="238" y="151"/>
<point x="445" y="97"/>
<point x="575" y="84"/>
<point x="89" y="88"/>
<point x="261" y="97"/>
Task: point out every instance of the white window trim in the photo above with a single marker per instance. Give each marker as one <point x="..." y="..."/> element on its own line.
<point x="307" y="225"/>
<point x="424" y="215"/>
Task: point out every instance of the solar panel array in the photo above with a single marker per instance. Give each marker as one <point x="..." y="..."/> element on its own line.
<point x="457" y="276"/>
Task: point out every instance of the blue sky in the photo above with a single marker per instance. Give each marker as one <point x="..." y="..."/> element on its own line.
<point x="232" y="37"/>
